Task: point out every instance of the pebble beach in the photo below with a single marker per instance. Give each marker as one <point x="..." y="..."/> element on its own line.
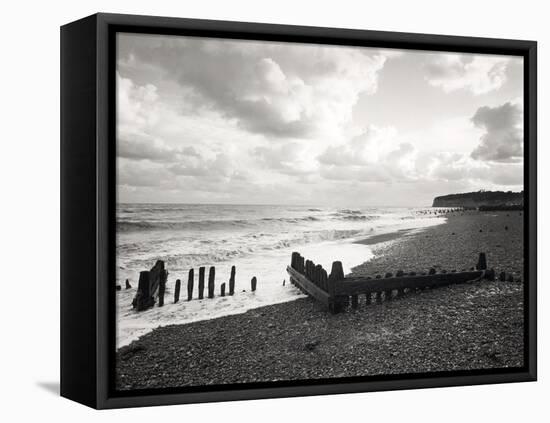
<point x="470" y="326"/>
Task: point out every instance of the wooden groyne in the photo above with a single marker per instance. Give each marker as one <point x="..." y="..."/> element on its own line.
<point x="333" y="290"/>
<point x="336" y="291"/>
<point x="152" y="286"/>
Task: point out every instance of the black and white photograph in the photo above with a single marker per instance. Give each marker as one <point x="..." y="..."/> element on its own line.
<point x="254" y="212"/>
<point x="291" y="211"/>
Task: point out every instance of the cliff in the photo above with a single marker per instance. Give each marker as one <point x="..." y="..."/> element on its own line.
<point x="480" y="199"/>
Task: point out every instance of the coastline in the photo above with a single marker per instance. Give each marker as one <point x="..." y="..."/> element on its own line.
<point x="461" y="327"/>
<point x="390" y="236"/>
<point x="454" y="245"/>
<point x="268" y="265"/>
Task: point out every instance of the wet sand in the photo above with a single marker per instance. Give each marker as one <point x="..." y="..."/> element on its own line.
<point x="462" y="327"/>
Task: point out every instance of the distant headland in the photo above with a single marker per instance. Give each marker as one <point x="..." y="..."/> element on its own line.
<point x="484" y="200"/>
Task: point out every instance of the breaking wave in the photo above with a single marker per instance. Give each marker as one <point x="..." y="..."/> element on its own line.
<point x="131" y="225"/>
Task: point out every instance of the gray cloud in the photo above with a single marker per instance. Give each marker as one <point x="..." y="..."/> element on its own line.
<point x="356" y="173"/>
<point x="144" y="147"/>
<point x="503" y="138"/>
<point x="137" y="174"/>
<point x="479" y="74"/>
<point x="276" y="89"/>
<point x="283" y="158"/>
<point x="202" y="120"/>
<point x="454" y="167"/>
<point x="217" y="169"/>
<point x="375" y="155"/>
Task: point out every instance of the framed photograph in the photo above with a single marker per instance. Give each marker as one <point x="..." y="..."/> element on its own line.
<point x="255" y="210"/>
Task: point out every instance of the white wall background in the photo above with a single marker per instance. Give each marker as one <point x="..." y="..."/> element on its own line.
<point x="29" y="316"/>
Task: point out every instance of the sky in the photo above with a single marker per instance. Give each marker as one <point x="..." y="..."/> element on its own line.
<point x="205" y="120"/>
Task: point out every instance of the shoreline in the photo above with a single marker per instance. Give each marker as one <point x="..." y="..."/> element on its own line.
<point x="389" y="236"/>
<point x="270" y="272"/>
<point x="460" y="327"/>
<point x="454" y="245"/>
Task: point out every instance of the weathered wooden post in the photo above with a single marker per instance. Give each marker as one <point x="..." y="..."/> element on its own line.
<point x="148" y="285"/>
<point x="141" y="299"/>
<point x="190" y="283"/>
<point x="232" y="281"/>
<point x="177" y="291"/>
<point x="302" y="265"/>
<point x="320" y="271"/>
<point x="294" y="260"/>
<point x="313" y="272"/>
<point x="253" y="284"/>
<point x="482" y="262"/>
<point x="162" y="286"/>
<point x="324" y="279"/>
<point x="201" y="283"/>
<point x="354" y="301"/>
<point x="336" y="275"/>
<point x="222" y="289"/>
<point x="211" y="277"/>
<point x="128" y="286"/>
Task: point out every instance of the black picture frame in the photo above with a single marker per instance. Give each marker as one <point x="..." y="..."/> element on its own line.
<point x="88" y="207"/>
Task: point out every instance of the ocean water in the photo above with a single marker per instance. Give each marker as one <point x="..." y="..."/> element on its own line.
<point x="258" y="240"/>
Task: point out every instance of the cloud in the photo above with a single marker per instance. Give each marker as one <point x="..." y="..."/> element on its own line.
<point x="479" y="74"/>
<point x="494" y="163"/>
<point x="277" y="89"/>
<point x="374" y="155"/>
<point x="142" y="174"/>
<point x="290" y="158"/>
<point x="144" y="147"/>
<point x="381" y="155"/>
<point x="503" y="137"/>
<point x="211" y="120"/>
<point x="136" y="105"/>
<point x="367" y="147"/>
<point x="454" y="167"/>
<point x="217" y="169"/>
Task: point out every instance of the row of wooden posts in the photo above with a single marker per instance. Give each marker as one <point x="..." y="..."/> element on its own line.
<point x="151" y="280"/>
<point x="211" y="284"/>
<point x="444" y="211"/>
<point x="336" y="291"/>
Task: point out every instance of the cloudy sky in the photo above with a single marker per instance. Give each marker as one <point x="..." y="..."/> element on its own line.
<point x="225" y="121"/>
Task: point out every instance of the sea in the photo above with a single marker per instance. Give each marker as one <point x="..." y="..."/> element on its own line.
<point x="257" y="239"/>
